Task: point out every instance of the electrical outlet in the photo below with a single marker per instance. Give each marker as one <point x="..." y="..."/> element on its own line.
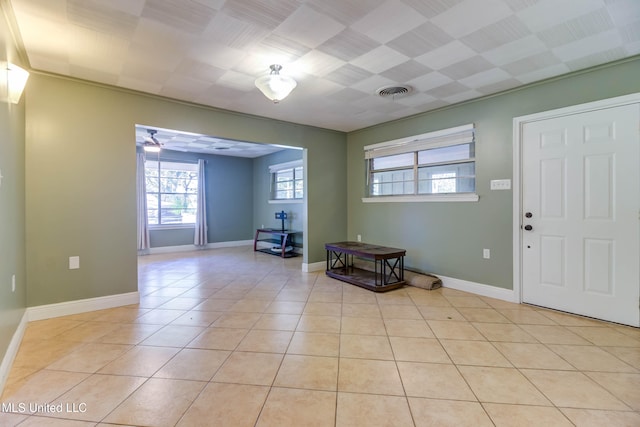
<point x="74" y="262"/>
<point x="359" y="238"/>
<point x="13" y="283"/>
<point x="500" y="184"/>
<point x="486" y="253"/>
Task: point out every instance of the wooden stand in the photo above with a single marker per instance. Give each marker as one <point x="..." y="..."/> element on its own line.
<point x="388" y="272"/>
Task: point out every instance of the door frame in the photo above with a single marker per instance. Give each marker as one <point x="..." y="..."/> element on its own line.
<point x="518" y="125"/>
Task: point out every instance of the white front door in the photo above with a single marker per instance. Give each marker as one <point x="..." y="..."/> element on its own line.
<point x="580" y="213"/>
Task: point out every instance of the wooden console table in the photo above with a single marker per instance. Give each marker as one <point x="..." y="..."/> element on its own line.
<point x="388" y="272"/>
<point x="278" y="237"/>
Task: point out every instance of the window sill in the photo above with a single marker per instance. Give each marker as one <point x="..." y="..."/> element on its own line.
<point x="285" y="201"/>
<point x="467" y="197"/>
<point x="171" y="227"/>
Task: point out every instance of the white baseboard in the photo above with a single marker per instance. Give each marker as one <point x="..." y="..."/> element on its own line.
<point x="314" y="266"/>
<point x="189" y="248"/>
<point x="81" y="306"/>
<point x="478" y="289"/>
<point x="12" y="351"/>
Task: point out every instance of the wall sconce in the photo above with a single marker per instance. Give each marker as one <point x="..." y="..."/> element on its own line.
<point x="16" y="80"/>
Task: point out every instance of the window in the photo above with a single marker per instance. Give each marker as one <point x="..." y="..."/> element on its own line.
<point x="287" y="181"/>
<point x="172" y="192"/>
<point x="434" y="166"/>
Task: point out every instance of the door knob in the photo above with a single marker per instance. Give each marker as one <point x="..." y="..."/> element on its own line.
<point x="528" y="214"/>
<point x="528" y="227"/>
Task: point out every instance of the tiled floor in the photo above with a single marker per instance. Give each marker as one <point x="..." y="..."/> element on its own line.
<point x="233" y="338"/>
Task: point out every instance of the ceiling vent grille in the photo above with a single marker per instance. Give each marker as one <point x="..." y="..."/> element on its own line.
<point x="393" y="91"/>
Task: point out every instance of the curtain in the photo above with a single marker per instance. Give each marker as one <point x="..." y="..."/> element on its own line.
<point x="200" y="238"/>
<point x="141" y="192"/>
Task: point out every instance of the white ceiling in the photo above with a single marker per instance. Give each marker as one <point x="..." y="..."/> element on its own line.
<point x="340" y="51"/>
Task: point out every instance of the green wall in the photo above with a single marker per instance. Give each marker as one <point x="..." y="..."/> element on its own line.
<point x="228" y="182"/>
<point x="263" y="211"/>
<point x="447" y="238"/>
<point x="80" y="180"/>
<point x="12" y="205"/>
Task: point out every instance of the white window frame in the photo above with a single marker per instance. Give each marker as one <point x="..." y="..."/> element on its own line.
<point x="273" y="171"/>
<point x="437" y="139"/>
<point x="159" y="162"/>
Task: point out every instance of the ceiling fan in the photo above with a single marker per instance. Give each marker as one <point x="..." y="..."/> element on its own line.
<point x="151" y="143"/>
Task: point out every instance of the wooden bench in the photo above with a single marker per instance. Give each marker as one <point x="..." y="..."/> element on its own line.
<point x="387" y="273"/>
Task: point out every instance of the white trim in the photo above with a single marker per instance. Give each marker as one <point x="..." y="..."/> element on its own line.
<point x="416" y="138"/>
<point x="478" y="288"/>
<point x="285" y="201"/>
<point x="66" y="308"/>
<point x="460" y="197"/>
<point x="288" y="165"/>
<point x="189" y="248"/>
<point x="518" y="124"/>
<point x="12" y="351"/>
<point x="314" y="266"/>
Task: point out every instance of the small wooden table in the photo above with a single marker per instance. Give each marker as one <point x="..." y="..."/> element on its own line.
<point x="388" y="272"/>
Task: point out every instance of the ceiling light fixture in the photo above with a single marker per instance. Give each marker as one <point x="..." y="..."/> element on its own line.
<point x="275" y="86"/>
<point x="151" y="144"/>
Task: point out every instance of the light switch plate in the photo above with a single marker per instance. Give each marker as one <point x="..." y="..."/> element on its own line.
<point x="501" y="184"/>
<point x="74" y="262"/>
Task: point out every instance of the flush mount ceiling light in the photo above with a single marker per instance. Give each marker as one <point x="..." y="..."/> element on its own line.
<point x="274" y="86"/>
<point x="151" y="144"/>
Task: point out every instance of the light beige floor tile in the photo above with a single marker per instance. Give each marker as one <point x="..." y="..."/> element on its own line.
<point x="87" y="332"/>
<point x="265" y="341"/>
<point x="363" y="326"/>
<point x="398" y="311"/>
<point x="525" y="416"/>
<point x="625" y="387"/>
<point x="181" y="303"/>
<point x="485" y="315"/>
<point x="438" y="381"/>
<point x="36" y="421"/>
<point x="309" y="372"/>
<point x="197" y="318"/>
<point x="467" y="301"/>
<point x="174" y="336"/>
<point x="249" y="368"/>
<point x="532" y="356"/>
<point x="193" y="364"/>
<point x="605" y="336"/>
<point x="10" y="420"/>
<point x="591" y="358"/>
<point x="504" y="332"/>
<point x="295" y="407"/>
<point x="101" y="394"/>
<point x="595" y="418"/>
<point x="359" y="296"/>
<point x="327" y="324"/>
<point x="43" y="386"/>
<point x="141" y="408"/>
<point x="44" y="329"/>
<point x="365" y="347"/>
<point x="228" y="404"/>
<point x="90" y="357"/>
<point x="367" y="410"/>
<point x="448" y="413"/>
<point x="479" y="353"/>
<point x="250" y="306"/>
<point x="411" y="349"/>
<point x="237" y="320"/>
<point x="554" y="335"/>
<point x="215" y="304"/>
<point x="441" y="313"/>
<point x="397" y="296"/>
<point x="526" y="317"/>
<point x="141" y="361"/>
<point x="323" y="309"/>
<point x="132" y="333"/>
<point x="218" y="339"/>
<point x="288" y="295"/>
<point x="278" y="322"/>
<point x="573" y="390"/>
<point x="445" y="329"/>
<point x="408" y="328"/>
<point x="314" y="344"/>
<point x="321" y="296"/>
<point x="361" y="310"/>
<point x="502" y="385"/>
<point x="566" y="319"/>
<point x="159" y="316"/>
<point x="431" y="300"/>
<point x="630" y="355"/>
<point x="369" y="376"/>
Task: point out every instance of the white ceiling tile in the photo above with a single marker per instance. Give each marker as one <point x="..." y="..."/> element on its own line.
<point x="446" y="55"/>
<point x="432" y="8"/>
<point x="416" y="99"/>
<point x="584" y="26"/>
<point x="237" y="81"/>
<point x="229" y="31"/>
<point x="309" y="27"/>
<point x="471" y="15"/>
<point x="317" y="63"/>
<point x="379" y="59"/>
<point x="223" y="57"/>
<point x="420" y="40"/>
<point x="548" y="13"/>
<point x="589" y="45"/>
<point x="544" y="73"/>
<point x="462" y="96"/>
<point x="624" y="12"/>
<point x="484" y="78"/>
<point x="429" y="81"/>
<point x="406" y="71"/>
<point x="371" y="84"/>
<point x="346" y="12"/>
<point x="388" y="21"/>
<point x="141" y="85"/>
<point x="514" y="51"/>
<point x="348" y="45"/>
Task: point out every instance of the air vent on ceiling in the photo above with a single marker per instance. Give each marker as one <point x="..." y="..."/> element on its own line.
<point x="393" y="91"/>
